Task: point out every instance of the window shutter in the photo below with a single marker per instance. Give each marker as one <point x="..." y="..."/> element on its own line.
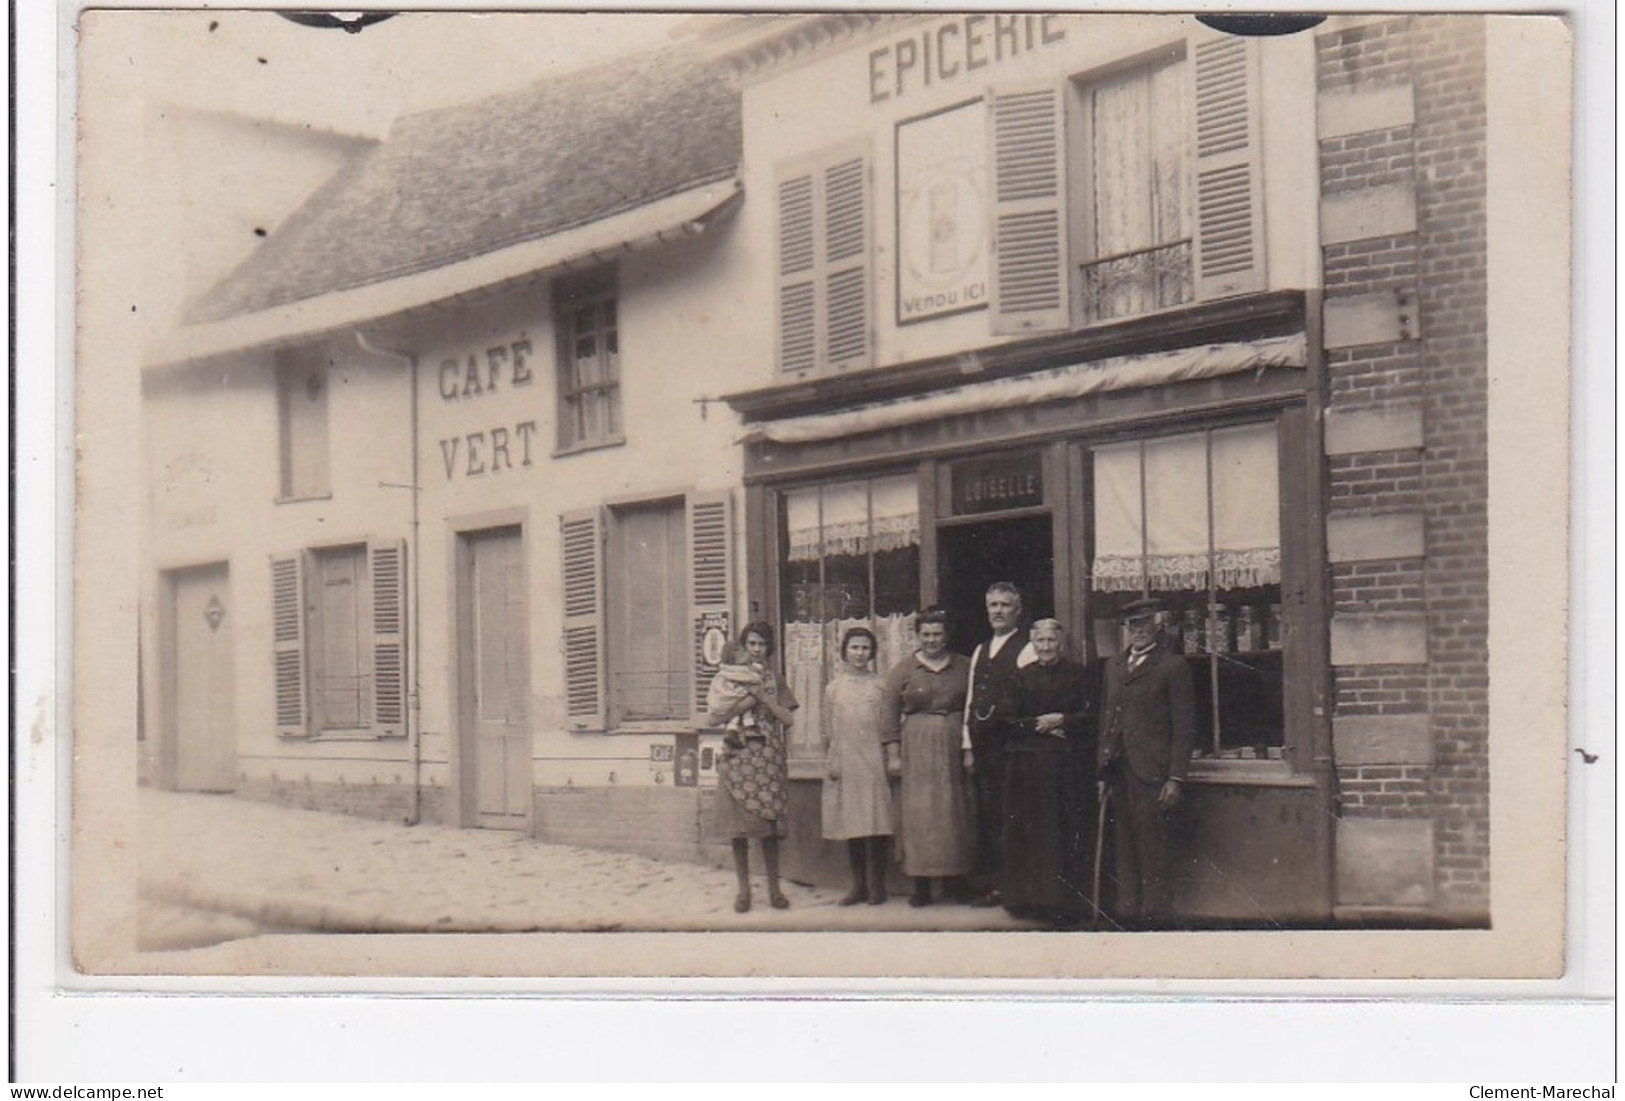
<point x="1030" y="265"/>
<point x="388" y="569"/>
<point x="1229" y="180"/>
<point x="824" y="257"/>
<point x="581" y="540"/>
<point x="710" y="557"/>
<point x="798" y="275"/>
<point x="288" y="646"/>
<point x="846" y="263"/>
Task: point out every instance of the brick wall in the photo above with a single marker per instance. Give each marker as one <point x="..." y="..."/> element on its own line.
<point x="1450" y="144"/>
<point x="1419" y="81"/>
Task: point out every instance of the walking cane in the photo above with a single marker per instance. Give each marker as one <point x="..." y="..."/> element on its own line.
<point x="1100" y="845"/>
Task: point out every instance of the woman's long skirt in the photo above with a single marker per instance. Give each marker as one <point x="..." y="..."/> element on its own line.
<point x="938" y="818"/>
<point x="1049" y="802"/>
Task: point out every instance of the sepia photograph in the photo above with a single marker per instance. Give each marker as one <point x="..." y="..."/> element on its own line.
<point x="907" y="496"/>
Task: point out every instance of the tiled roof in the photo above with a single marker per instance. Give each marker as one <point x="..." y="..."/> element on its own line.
<point x="462" y="181"/>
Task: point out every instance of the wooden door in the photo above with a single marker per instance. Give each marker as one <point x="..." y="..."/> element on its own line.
<point x="203" y="734"/>
<point x="496" y="681"/>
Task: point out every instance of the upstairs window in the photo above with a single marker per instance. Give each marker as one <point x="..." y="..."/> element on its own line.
<point x="589" y="362"/>
<point x="824" y="282"/>
<point x="1128" y="191"/>
<point x="1136" y="221"/>
<point x="301" y="399"/>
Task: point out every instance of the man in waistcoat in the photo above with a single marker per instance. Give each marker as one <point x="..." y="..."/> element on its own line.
<point x="992" y="681"/>
<point x="1147" y="729"/>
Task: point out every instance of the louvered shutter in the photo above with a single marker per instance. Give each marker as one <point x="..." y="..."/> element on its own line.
<point x="798" y="275"/>
<point x="1229" y="182"/>
<point x="581" y="543"/>
<point x="710" y="557"/>
<point x="288" y="646"/>
<point x="1030" y="262"/>
<point x="846" y="263"/>
<point x="824" y="258"/>
<point x="387" y="565"/>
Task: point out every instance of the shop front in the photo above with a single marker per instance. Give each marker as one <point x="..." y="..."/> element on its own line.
<point x="1090" y="470"/>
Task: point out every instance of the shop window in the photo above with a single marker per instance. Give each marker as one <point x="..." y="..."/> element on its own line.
<point x="1194" y="519"/>
<point x="824" y="283"/>
<point x="1128" y="191"/>
<point x="301" y="392"/>
<point x="339" y="637"/>
<point x="589" y="362"/>
<point x="851" y="557"/>
<point x="642" y="586"/>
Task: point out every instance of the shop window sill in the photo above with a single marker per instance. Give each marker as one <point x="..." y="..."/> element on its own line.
<point x="294" y="500"/>
<point x="1254" y="773"/>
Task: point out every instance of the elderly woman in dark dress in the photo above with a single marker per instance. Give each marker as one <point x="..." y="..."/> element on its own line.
<point x="925" y="711"/>
<point x="754" y="786"/>
<point x="1049" y="787"/>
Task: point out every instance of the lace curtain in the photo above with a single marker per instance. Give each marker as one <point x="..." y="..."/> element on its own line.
<point x="853" y="518"/>
<point x="1151" y="512"/>
<point x="843" y="520"/>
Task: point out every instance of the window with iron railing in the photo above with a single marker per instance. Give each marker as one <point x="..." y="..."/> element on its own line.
<point x="1138" y="221"/>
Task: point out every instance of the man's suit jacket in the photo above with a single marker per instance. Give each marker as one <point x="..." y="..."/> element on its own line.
<point x="1150" y="715"/>
<point x="993" y="680"/>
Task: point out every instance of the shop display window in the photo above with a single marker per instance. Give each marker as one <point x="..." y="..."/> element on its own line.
<point x="851" y="554"/>
<point x="1194" y="520"/>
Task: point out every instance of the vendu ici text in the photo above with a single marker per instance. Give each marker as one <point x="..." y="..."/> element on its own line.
<point x="956" y="48"/>
<point x="464" y="378"/>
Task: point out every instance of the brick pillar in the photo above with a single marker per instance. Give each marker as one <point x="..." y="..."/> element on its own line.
<point x="1401" y="128"/>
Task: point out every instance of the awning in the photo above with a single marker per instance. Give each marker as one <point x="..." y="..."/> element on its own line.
<point x="1075" y="380"/>
<point x="686" y="214"/>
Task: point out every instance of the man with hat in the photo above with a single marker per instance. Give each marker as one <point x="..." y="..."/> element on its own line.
<point x="1147" y="731"/>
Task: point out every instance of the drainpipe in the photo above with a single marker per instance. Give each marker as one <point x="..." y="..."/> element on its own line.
<point x="414" y="702"/>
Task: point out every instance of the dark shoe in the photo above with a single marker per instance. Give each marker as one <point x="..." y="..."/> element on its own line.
<point x="922" y="893"/>
<point x="856" y="895"/>
<point x="878" y="895"/>
<point x="742" y="902"/>
<point x="991" y="899"/>
<point x="778" y="900"/>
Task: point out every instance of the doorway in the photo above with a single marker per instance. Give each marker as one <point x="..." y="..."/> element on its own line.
<point x="494" y="680"/>
<point x="201" y="739"/>
<point x="973" y="555"/>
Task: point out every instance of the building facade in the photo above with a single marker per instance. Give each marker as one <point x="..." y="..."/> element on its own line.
<point x="1106" y="306"/>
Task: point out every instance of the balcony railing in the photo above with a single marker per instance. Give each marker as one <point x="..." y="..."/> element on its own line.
<point x="1129" y="284"/>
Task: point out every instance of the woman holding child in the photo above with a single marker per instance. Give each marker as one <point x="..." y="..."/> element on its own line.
<point x="747" y="700"/>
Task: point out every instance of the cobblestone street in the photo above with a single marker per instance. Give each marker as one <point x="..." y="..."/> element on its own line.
<point x="218" y="867"/>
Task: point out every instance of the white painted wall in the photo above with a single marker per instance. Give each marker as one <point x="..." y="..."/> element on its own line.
<point x="210" y="445"/>
<point x="812" y="105"/>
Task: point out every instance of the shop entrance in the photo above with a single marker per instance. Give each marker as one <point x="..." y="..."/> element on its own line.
<point x="971" y="556"/>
